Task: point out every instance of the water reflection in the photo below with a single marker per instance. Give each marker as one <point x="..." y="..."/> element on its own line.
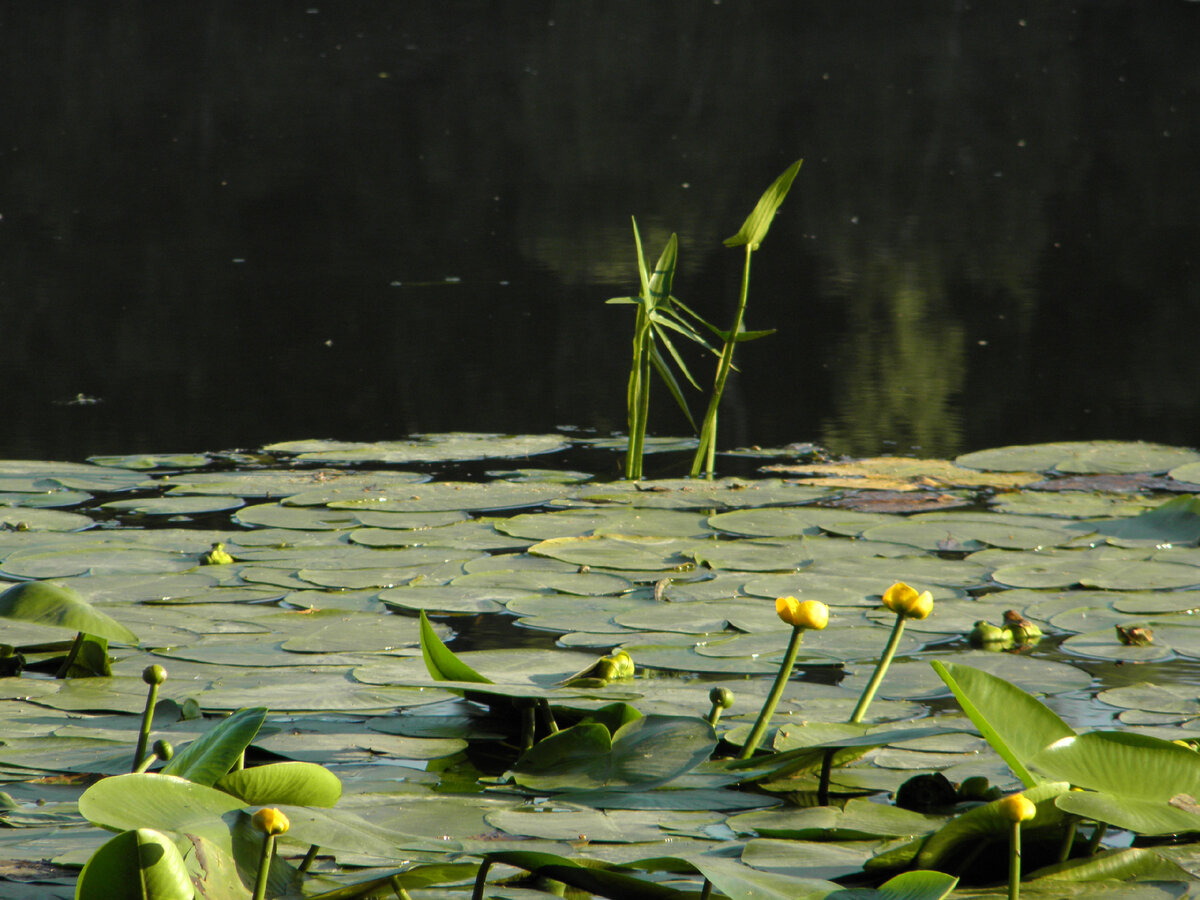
<point x="991" y="240"/>
<point x="901" y="369"/>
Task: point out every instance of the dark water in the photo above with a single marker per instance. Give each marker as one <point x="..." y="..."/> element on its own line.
<point x="233" y="223"/>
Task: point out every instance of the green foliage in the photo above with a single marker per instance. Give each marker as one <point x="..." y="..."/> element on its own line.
<point x="1015" y="723"/>
<point x="141" y="864"/>
<point x="750" y="235"/>
<point x="209" y="757"/>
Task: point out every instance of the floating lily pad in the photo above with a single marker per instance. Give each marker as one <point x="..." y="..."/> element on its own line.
<point x="302" y="518"/>
<point x="900" y="474"/>
<point x="1082" y="457"/>
<point x="613" y="552"/>
<point x="176" y="506"/>
<point x="33" y="519"/>
<point x="682" y="493"/>
<point x="154" y="461"/>
<point x="457" y="495"/>
<point x="423" y="448"/>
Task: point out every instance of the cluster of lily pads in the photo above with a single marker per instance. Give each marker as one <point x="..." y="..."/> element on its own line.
<point x="357" y="679"/>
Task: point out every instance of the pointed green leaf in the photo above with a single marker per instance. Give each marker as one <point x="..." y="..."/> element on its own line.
<point x="755" y="228"/>
<point x="164" y="802"/>
<point x="214" y="753"/>
<point x="47" y="603"/>
<point x="295" y="783"/>
<point x="1015" y="723"/>
<point x="659" y="288"/>
<point x="142" y="864"/>
<point x="441" y="662"/>
<point x="1123" y="762"/>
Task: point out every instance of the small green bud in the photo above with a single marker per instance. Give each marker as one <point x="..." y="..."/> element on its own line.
<point x="155" y="674"/>
<point x="625" y="664"/>
<point x="974" y="788"/>
<point x="163" y="750"/>
<point x="1022" y="630"/>
<point x="989" y="636"/>
<point x="721" y="697"/>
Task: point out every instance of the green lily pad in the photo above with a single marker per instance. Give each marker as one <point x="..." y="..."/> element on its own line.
<point x="423" y="448"/>
<point x="176" y="506"/>
<point x="1081" y="456"/>
<point x="30" y="519"/>
<point x="458" y="495"/>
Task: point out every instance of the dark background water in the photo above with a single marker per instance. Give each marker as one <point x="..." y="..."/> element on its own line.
<point x="234" y="223"/>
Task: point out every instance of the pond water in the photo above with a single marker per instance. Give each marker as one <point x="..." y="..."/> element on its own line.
<point x="229" y="224"/>
<point x="531" y="570"/>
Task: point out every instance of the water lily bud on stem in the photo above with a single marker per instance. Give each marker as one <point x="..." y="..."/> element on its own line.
<point x="802" y="615"/>
<point x="153" y="676"/>
<point x="722" y="699"/>
<point x="1016" y="808"/>
<point x="270" y="822"/>
<point x="906" y="603"/>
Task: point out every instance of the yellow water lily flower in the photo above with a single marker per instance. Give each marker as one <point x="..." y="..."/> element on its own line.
<point x="1016" y="808"/>
<point x="807" y="614"/>
<point x="271" y="821"/>
<point x="905" y="601"/>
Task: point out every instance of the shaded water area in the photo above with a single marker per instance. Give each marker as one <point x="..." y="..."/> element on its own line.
<point x="229" y="224"/>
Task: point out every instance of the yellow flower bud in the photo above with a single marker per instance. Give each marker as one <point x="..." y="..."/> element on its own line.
<point x="808" y="614"/>
<point x="905" y="601"/>
<point x="271" y="821"/>
<point x="1016" y="808"/>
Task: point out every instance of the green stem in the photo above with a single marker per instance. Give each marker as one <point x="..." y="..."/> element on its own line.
<point x="145" y="763"/>
<point x="398" y="889"/>
<point x="264" y="867"/>
<point x="823" y="783"/>
<point x="1068" y="841"/>
<point x="527" y="726"/>
<point x="639" y="397"/>
<point x="70" y="658"/>
<point x="1014" y="862"/>
<point x="481" y="879"/>
<point x="1097" y="837"/>
<point x="885" y="660"/>
<point x="706" y="891"/>
<point x="768" y="710"/>
<point x="139" y="755"/>
<point x="706" y="451"/>
<point x="547" y="715"/>
<point x="309" y="858"/>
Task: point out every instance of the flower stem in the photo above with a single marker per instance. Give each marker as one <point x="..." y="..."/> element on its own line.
<point x="139" y="755"/>
<point x="885" y="660"/>
<point x="264" y="867"/>
<point x="768" y="710"/>
<point x="1014" y="862"/>
<point x="706" y="451"/>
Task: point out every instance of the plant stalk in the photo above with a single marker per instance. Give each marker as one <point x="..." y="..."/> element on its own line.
<point x="70" y="658"/>
<point x="139" y="755"/>
<point x="264" y="867"/>
<point x="309" y="858"/>
<point x="768" y="710"/>
<point x="706" y="890"/>
<point x="481" y="878"/>
<point x="1097" y="837"/>
<point x="868" y="694"/>
<point x="398" y="889"/>
<point x="823" y="782"/>
<point x="1068" y="841"/>
<point x="1014" y="862"/>
<point x="706" y="451"/>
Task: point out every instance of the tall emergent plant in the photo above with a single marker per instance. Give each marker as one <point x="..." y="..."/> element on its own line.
<point x="656" y="314"/>
<point x="750" y="235"/>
